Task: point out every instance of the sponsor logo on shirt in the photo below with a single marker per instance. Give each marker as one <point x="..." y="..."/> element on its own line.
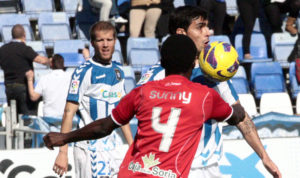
<point x="150" y="167"/>
<point x="74" y="86"/>
<point x="164" y="95"/>
<point x="110" y="94"/>
<point x="100" y="76"/>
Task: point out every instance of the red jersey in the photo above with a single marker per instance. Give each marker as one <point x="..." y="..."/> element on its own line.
<point x="170" y="115"/>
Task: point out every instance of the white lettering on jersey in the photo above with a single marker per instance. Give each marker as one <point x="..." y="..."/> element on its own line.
<point x="186" y="98"/>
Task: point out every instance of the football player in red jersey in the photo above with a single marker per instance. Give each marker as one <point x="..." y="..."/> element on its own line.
<point x="170" y="113"/>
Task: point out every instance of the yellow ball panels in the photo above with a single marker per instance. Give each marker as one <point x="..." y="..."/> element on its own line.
<point x="219" y="61"/>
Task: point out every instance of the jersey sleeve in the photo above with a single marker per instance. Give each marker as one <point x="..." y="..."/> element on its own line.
<point x="30" y="53"/>
<point x="155" y="72"/>
<point x="221" y="111"/>
<point x="227" y="92"/>
<point x="81" y="80"/>
<point x="127" y="107"/>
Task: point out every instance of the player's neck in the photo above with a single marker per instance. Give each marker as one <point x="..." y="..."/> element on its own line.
<point x="186" y="75"/>
<point x="101" y="61"/>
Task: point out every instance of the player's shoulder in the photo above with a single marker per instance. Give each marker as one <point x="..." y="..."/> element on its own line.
<point x="155" y="72"/>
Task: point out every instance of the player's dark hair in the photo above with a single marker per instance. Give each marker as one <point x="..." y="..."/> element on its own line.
<point x="182" y="17"/>
<point x="57" y="62"/>
<point x="17" y="31"/>
<point x="178" y="54"/>
<point x="101" y="26"/>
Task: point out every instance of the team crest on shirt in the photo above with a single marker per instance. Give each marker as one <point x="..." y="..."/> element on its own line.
<point x="118" y="74"/>
<point x="74" y="86"/>
<point x="150" y="167"/>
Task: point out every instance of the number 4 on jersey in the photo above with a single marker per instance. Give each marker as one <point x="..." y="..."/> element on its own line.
<point x="167" y="129"/>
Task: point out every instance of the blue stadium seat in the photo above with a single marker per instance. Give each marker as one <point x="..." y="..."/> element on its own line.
<point x="49" y="33"/>
<point x="50" y="23"/>
<point x="53" y="18"/>
<point x="267" y="78"/>
<point x="265" y="68"/>
<point x="268" y="83"/>
<point x="38" y="47"/>
<point x="129" y="83"/>
<point x="12" y="19"/>
<point x="32" y="8"/>
<point x="282" y="46"/>
<point x="9" y="20"/>
<point x="142" y="51"/>
<point x="69" y="6"/>
<point x="258" y="46"/>
<point x="69" y="50"/>
<point x="128" y="71"/>
<point x="221" y="38"/>
<point x="240" y="85"/>
<point x="2" y="93"/>
<point x="294" y="85"/>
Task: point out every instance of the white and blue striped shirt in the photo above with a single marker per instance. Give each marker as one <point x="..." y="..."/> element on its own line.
<point x="97" y="89"/>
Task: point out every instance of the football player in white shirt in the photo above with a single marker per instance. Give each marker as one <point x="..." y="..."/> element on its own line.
<point x="96" y="88"/>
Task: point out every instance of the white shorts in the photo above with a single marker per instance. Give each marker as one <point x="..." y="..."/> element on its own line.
<point x="211" y="171"/>
<point x="89" y="164"/>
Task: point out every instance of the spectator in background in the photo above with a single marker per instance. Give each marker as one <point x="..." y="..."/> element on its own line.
<point x="249" y="12"/>
<point x="116" y="18"/>
<point x="15" y="59"/>
<point x="167" y="7"/>
<point x="53" y="87"/>
<point x="103" y="7"/>
<point x="217" y="13"/>
<point x="273" y="10"/>
<point x="144" y="11"/>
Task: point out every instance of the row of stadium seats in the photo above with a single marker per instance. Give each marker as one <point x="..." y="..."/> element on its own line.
<point x="266" y="77"/>
<point x="140" y="51"/>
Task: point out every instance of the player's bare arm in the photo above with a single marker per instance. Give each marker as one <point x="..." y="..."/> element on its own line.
<point x="244" y="123"/>
<point x="127" y="133"/>
<point x="61" y="162"/>
<point x="98" y="129"/>
<point x="33" y="95"/>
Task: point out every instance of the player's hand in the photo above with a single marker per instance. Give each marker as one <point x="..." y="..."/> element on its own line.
<point x="271" y="167"/>
<point x="53" y="139"/>
<point x="61" y="163"/>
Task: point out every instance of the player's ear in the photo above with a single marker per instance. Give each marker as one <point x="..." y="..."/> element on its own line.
<point x="180" y="31"/>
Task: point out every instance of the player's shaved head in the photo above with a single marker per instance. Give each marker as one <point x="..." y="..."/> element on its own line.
<point x="17" y="31"/>
<point x="178" y="54"/>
